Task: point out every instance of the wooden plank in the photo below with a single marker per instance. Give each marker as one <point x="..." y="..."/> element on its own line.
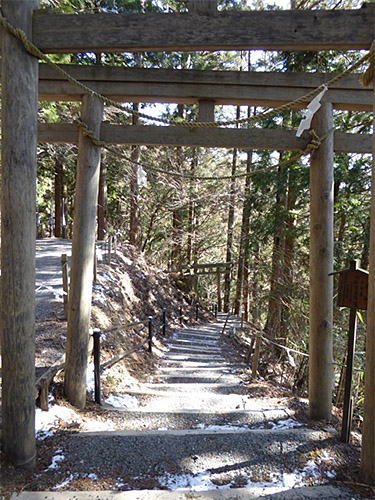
<point x="190" y="86"/>
<point x="206" y="77"/>
<point x="210" y="137"/>
<point x="190" y="93"/>
<point x="18" y="197"/>
<point x="225" y="30"/>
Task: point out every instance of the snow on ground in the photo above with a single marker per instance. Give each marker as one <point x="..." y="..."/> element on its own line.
<point x="45" y="421"/>
<point x="222" y="427"/>
<point x="90" y="380"/>
<point x="205" y="481"/>
<point x="65" y="482"/>
<point x="123" y="401"/>
<point x="56" y="459"/>
<point x="289" y="423"/>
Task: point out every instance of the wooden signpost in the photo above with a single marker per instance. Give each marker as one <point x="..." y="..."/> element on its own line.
<point x="353" y="290"/>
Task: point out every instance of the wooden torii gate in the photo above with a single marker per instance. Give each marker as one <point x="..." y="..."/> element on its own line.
<point x="199" y="30"/>
<point x="216" y="268"/>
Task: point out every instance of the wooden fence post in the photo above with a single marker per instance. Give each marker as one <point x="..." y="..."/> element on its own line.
<point x="19" y="142"/>
<point x="218" y="289"/>
<point x="254" y="366"/>
<point x="82" y="261"/>
<point x="321" y="265"/>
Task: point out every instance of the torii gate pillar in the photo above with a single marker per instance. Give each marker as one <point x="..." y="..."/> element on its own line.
<point x="321" y="265"/>
<point x="82" y="264"/>
<point x="367" y="470"/>
<point x="18" y="204"/>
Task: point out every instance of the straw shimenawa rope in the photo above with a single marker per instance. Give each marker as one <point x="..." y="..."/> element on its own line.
<point x="314" y="144"/>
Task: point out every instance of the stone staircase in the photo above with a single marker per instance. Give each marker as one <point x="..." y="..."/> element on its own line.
<point x="196" y="433"/>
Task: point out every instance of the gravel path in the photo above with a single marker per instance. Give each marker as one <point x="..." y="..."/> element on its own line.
<point x="48" y="274"/>
<point x="194" y="427"/>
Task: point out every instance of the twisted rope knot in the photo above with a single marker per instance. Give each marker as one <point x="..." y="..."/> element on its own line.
<point x="90" y="134"/>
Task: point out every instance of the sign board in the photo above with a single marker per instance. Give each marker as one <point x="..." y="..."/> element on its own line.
<point x="353" y="289"/>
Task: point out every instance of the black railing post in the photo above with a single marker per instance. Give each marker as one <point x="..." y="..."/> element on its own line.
<point x="96" y="334"/>
<point x="150" y="334"/>
<point x="196" y="311"/>
<point x="180" y="313"/>
<point x="164" y="320"/>
<point x="215" y="310"/>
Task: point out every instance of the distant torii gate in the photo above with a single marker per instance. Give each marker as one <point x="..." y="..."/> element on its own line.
<point x="212" y="268"/>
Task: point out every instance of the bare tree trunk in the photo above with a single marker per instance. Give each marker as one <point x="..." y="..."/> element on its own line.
<point x="59" y="193"/>
<point x="366" y="245"/>
<point x="289" y="252"/>
<point x="232" y="200"/>
<point x="102" y="198"/>
<point x="177" y="219"/>
<point x="254" y="305"/>
<point x="191" y="212"/>
<point x="273" y="322"/>
<point x="244" y="239"/>
<point x="134" y="230"/>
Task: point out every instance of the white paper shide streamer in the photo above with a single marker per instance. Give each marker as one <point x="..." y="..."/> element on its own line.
<point x="312" y="108"/>
<point x="142" y="177"/>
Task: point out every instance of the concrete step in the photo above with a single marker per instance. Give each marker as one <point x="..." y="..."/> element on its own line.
<point x="192" y="357"/>
<point x="160" y="400"/>
<point x="322" y="492"/>
<point x="194" y="365"/>
<point x="200" y="459"/>
<point x="185" y="420"/>
<point x="203" y="387"/>
<point x="199" y="378"/>
<point x="193" y="351"/>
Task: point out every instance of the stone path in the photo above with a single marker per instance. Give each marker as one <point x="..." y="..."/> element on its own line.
<point x="196" y="429"/>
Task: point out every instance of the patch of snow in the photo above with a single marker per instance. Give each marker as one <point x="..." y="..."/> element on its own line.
<point x="289" y="480"/>
<point x="289" y="423"/>
<point x="311" y="470"/>
<point x="45" y="420"/>
<point x="331" y="474"/>
<point x="55" y="460"/>
<point x="120" y="483"/>
<point x="108" y="277"/>
<point x="203" y="482"/>
<point x="65" y="482"/>
<point x="221" y="427"/>
<point x="90" y="379"/>
<point x="92" y="476"/>
<point x="123" y="401"/>
<point x="279" y="481"/>
<point x="93" y="425"/>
